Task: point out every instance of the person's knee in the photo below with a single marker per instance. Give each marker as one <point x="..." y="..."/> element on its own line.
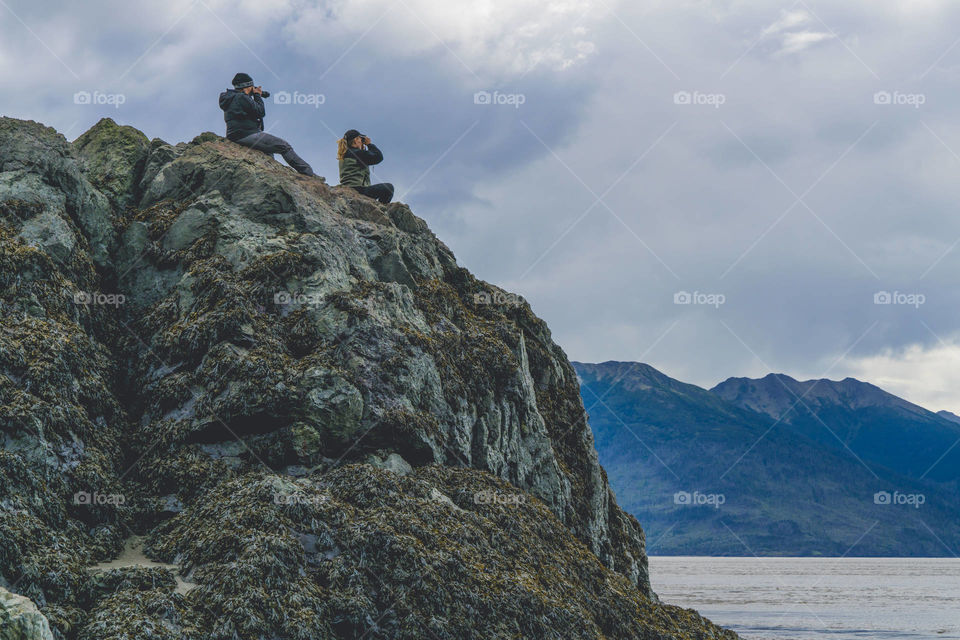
<point x="257" y="143"/>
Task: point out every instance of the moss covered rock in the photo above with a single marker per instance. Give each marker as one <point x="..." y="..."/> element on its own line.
<point x="310" y="410"/>
<point x="365" y="552"/>
<point x="285" y="302"/>
<point x="115" y="158"/>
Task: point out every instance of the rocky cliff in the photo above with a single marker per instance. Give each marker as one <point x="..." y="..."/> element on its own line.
<point x="299" y="399"/>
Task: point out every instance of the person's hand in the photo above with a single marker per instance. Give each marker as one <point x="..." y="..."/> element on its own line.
<point x="366" y="140"/>
<point x="258" y="90"/>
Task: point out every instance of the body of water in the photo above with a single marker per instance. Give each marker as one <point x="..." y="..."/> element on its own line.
<point x="817" y="598"/>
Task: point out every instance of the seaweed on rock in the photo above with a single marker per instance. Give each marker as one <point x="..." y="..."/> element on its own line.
<point x="301" y="400"/>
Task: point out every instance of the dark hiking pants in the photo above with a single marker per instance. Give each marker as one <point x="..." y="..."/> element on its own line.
<point x="271" y="144"/>
<point x="382" y="192"/>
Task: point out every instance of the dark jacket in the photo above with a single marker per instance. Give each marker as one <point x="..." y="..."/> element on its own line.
<point x="355" y="166"/>
<point x="242" y="113"/>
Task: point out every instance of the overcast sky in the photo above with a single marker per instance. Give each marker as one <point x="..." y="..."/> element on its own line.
<point x="784" y="161"/>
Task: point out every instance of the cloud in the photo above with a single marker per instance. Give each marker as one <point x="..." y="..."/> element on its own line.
<point x="925" y="375"/>
<point x="788" y="20"/>
<point x="796" y="42"/>
<point x="792" y="33"/>
<point x="716" y="201"/>
<point x="695" y="197"/>
<point x="496" y="36"/>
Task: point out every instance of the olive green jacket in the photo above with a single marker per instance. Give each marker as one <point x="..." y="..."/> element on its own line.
<point x="355" y="166"/>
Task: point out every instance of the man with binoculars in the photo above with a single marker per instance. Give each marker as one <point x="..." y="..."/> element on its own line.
<point x="243" y="112"/>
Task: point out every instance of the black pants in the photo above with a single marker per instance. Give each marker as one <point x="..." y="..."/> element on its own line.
<point x="382" y="192"/>
<point x="270" y="144"/>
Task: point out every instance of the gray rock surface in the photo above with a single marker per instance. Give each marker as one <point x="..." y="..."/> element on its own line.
<point x="20" y="619"/>
<point x="38" y="165"/>
<point x="273" y="330"/>
<point x="410" y="362"/>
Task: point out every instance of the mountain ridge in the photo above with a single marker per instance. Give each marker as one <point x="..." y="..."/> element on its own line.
<point x="784" y="490"/>
<point x="826" y="389"/>
<point x="857" y="416"/>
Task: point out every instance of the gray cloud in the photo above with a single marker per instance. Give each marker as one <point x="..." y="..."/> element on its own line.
<point x="849" y="107"/>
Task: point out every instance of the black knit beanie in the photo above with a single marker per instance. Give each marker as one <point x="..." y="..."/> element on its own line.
<point x="242" y="81"/>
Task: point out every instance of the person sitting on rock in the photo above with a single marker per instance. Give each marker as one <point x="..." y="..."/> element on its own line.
<point x="243" y="112"/>
<point x="356" y="154"/>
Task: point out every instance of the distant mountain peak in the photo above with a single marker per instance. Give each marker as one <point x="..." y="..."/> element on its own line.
<point x="776" y="393"/>
<point x="631" y="375"/>
<point x="946" y="415"/>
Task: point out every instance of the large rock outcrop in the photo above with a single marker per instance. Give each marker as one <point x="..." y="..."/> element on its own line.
<point x="298" y="396"/>
<point x="20" y="619"/>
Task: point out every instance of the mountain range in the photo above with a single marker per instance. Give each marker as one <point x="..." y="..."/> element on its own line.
<point x="775" y="466"/>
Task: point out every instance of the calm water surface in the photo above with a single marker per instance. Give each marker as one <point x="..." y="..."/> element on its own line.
<point x="822" y="598"/>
